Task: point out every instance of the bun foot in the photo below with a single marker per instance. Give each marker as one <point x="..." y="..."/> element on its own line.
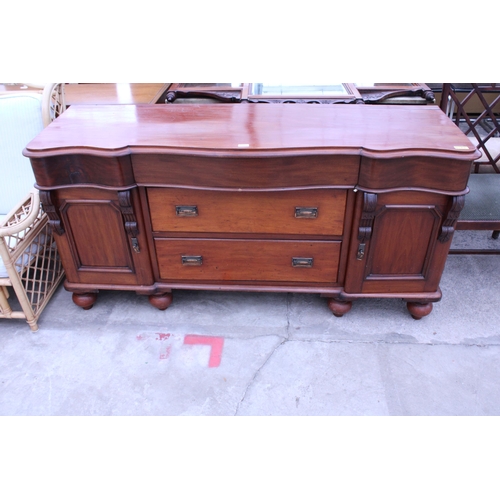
<point x="418" y="309"/>
<point x="84" y="300"/>
<point x="161" y="302"/>
<point x="339" y="307"/>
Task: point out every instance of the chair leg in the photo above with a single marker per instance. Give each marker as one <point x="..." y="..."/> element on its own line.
<point x="33" y="324"/>
<point x="24" y="302"/>
<point x="4" y="305"/>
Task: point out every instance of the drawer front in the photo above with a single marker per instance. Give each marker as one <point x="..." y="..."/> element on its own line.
<point x="260" y="172"/>
<point x="247" y="260"/>
<point x="308" y="212"/>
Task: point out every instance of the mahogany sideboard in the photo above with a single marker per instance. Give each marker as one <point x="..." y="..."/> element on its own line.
<point x="346" y="201"/>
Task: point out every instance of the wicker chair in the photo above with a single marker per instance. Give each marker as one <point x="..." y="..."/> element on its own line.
<point x="53" y="102"/>
<point x="29" y="262"/>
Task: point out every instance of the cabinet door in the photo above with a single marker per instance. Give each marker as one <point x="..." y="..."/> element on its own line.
<point x="400" y="242"/>
<point x="100" y="235"/>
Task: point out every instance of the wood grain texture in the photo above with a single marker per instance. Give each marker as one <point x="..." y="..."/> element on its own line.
<point x="404" y="253"/>
<point x="243" y="260"/>
<point x="438" y="174"/>
<point x="95" y="247"/>
<point x="248" y="212"/>
<point x="240" y="131"/>
<point x="68" y="170"/>
<point x="384" y="180"/>
<point x="246" y="173"/>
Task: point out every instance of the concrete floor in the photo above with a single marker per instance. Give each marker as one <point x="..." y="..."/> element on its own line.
<point x="218" y="353"/>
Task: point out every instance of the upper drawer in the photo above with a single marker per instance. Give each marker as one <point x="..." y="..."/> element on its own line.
<point x="307" y="212"/>
<point x="246" y="172"/>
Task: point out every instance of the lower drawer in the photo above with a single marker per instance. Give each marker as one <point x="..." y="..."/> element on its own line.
<point x="247" y="260"/>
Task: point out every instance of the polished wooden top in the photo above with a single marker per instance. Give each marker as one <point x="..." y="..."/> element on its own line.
<point x="113" y="93"/>
<point x="382" y="131"/>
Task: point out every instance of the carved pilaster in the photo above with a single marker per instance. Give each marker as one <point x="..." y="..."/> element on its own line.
<point x="49" y="208"/>
<point x="128" y="214"/>
<point x="447" y="228"/>
<point x="367" y="216"/>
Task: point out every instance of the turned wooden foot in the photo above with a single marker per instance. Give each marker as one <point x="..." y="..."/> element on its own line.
<point x="339" y="307"/>
<point x="161" y="302"/>
<point x="85" y="300"/>
<point x="418" y="309"/>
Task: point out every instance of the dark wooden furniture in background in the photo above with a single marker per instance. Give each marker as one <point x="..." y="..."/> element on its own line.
<point x="343" y="201"/>
<point x="475" y="108"/>
<point x="341" y="93"/>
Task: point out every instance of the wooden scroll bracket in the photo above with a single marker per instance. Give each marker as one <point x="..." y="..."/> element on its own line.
<point x="223" y="96"/>
<point x="366" y="223"/>
<point x="54" y="220"/>
<point x="378" y="97"/>
<point x="447" y="229"/>
<point x="131" y="226"/>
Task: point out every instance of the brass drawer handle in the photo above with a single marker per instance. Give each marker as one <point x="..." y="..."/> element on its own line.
<point x="302" y="261"/>
<point x="306" y="212"/>
<point x="192" y="260"/>
<point x="186" y="210"/>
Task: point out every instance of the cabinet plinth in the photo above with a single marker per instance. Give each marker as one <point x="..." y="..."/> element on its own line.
<point x="344" y="201"/>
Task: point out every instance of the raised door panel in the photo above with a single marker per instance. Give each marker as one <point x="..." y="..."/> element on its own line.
<point x="396" y="246"/>
<point x="95" y="228"/>
<point x="404" y="237"/>
<point x="102" y="239"/>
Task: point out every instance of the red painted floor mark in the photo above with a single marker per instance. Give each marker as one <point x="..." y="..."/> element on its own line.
<point x="166" y="354"/>
<point x="216" y="344"/>
<point x="162" y="336"/>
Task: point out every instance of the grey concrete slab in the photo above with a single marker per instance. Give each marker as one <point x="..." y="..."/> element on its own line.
<point x="124" y="371"/>
<point x="244" y="314"/>
<point x="336" y="378"/>
<point x="318" y="378"/>
<point x="441" y="379"/>
<point x="468" y="313"/>
<point x="281" y="354"/>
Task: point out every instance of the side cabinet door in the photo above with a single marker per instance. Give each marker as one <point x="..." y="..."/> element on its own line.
<point x="100" y="235"/>
<point x="400" y="242"/>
